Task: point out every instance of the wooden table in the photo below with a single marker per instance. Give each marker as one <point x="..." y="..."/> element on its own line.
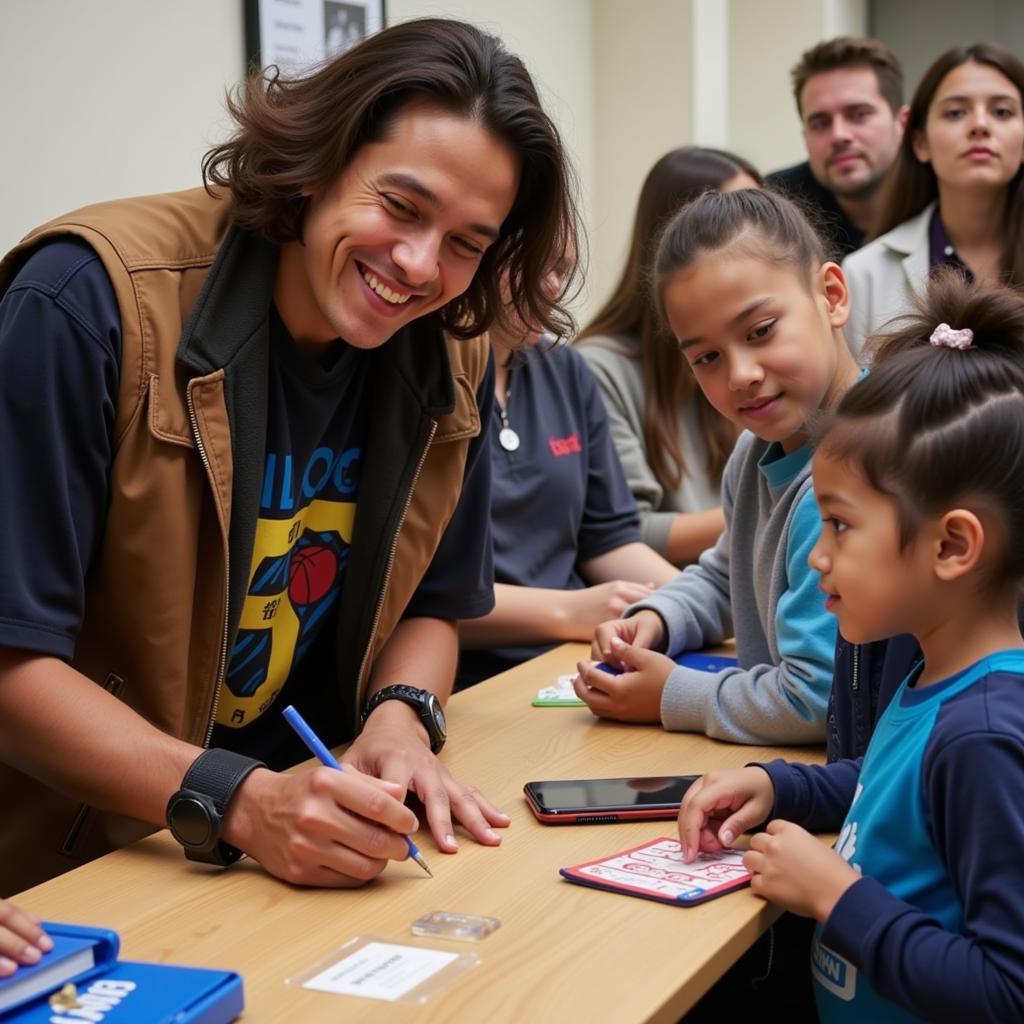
<point x="563" y="953"/>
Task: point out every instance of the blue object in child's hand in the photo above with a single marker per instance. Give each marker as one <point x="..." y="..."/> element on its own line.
<point x="689" y="659"/>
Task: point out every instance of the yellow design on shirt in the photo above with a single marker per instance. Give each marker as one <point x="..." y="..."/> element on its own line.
<point x="293" y="582"/>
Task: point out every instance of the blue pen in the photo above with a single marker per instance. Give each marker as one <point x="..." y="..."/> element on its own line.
<point x="324" y="756"/>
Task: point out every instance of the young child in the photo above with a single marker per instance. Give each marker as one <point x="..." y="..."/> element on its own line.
<point x="22" y="941"/>
<point x="920" y="479"/>
<point x="758" y="313"/>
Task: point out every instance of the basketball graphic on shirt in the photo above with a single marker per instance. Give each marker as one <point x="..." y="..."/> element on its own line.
<point x="312" y="573"/>
<point x="289" y="595"/>
<point x="316" y="561"/>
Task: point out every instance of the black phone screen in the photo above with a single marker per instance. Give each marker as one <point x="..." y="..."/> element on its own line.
<point x="582" y="795"/>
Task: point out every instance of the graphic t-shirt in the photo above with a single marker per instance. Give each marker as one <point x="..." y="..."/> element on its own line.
<point x="60" y="351"/>
<point x="307" y="509"/>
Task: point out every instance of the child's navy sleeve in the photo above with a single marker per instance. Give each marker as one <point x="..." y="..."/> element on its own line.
<point x="972" y="784"/>
<point x="816" y="796"/>
<point x="60" y="331"/>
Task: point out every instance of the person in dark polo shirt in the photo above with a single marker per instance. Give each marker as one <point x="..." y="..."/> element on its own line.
<point x="566" y="530"/>
<point x="849" y="95"/>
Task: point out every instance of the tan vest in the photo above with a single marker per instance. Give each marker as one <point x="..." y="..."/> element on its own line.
<point x="155" y="631"/>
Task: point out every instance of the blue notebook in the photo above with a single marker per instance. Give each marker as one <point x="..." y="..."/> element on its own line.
<point x="691" y="659"/>
<point x="115" y="991"/>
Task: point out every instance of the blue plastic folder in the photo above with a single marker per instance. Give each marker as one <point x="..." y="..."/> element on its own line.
<point x="115" y="991"/>
<point x="691" y="659"/>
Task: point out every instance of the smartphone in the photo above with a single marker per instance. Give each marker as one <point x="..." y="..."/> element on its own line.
<point x="691" y="659"/>
<point x="593" y="801"/>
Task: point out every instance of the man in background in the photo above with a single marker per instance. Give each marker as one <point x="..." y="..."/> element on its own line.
<point x="849" y="96"/>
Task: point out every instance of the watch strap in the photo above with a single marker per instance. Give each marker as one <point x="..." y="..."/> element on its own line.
<point x="218" y="773"/>
<point x="397" y="691"/>
<point x="416" y="698"/>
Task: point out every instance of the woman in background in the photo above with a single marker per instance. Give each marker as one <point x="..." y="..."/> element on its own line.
<point x="955" y="194"/>
<point x="672" y="444"/>
<point x="567" y="551"/>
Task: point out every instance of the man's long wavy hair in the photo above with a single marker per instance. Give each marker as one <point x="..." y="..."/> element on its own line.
<point x="294" y="137"/>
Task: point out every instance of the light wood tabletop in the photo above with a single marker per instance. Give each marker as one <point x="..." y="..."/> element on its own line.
<point x="563" y="952"/>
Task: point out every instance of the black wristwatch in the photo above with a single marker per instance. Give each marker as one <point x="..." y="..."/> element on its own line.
<point x="427" y="706"/>
<point x="195" y="814"/>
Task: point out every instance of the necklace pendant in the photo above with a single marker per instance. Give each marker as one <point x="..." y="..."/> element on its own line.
<point x="508" y="439"/>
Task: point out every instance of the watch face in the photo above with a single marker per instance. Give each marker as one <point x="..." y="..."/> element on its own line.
<point x="438" y="713"/>
<point x="190" y="822"/>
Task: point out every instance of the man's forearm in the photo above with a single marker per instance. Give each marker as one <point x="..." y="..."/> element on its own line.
<point x="61" y="728"/>
<point x="421" y="652"/>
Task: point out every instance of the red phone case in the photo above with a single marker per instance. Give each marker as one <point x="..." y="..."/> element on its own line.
<point x="599" y="817"/>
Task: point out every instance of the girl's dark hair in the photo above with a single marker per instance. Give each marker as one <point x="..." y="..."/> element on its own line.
<point x="679" y="176"/>
<point x="757" y="222"/>
<point x="912" y="185"/>
<point x="933" y="427"/>
<point x="295" y="136"/>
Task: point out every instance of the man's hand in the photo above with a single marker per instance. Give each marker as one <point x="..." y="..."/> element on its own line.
<point x="394" y="746"/>
<point x="797" y="871"/>
<point x="645" y="629"/>
<point x="721" y="806"/>
<point x="320" y="827"/>
<point x="633" y="696"/>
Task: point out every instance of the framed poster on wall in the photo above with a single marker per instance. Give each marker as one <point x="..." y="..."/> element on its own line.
<point x="298" y="34"/>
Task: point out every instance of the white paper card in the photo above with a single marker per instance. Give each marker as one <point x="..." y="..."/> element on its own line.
<point x="381" y="970"/>
<point x="562" y="693"/>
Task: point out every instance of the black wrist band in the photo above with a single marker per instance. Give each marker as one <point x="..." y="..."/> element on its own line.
<point x="195" y="814"/>
<point x="218" y="773"/>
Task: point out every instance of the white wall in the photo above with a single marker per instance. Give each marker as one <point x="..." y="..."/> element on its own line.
<point x="919" y="30"/>
<point x="122" y="97"/>
<point x="766" y="38"/>
<point x="109" y="98"/>
<point x="643" y="99"/>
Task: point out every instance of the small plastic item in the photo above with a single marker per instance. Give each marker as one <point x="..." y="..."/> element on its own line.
<point x="377" y="968"/>
<point x="443" y="924"/>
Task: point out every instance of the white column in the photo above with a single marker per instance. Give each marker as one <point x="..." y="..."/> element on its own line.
<point x="711" y="73"/>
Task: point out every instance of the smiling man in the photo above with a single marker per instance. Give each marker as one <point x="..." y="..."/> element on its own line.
<point x="849" y="95"/>
<point x="246" y="466"/>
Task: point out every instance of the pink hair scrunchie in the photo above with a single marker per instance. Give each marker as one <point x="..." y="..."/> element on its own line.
<point x="945" y="336"/>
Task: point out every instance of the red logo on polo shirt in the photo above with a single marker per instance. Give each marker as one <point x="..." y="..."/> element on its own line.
<point x="565" y="445"/>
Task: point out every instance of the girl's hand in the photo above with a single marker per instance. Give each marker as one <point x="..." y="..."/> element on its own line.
<point x="22" y="941"/>
<point x="797" y="871"/>
<point x="722" y="805"/>
<point x="633" y="696"/>
<point x="645" y="629"/>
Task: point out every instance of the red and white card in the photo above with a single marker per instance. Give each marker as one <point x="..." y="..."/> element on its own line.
<point x="656" y="871"/>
